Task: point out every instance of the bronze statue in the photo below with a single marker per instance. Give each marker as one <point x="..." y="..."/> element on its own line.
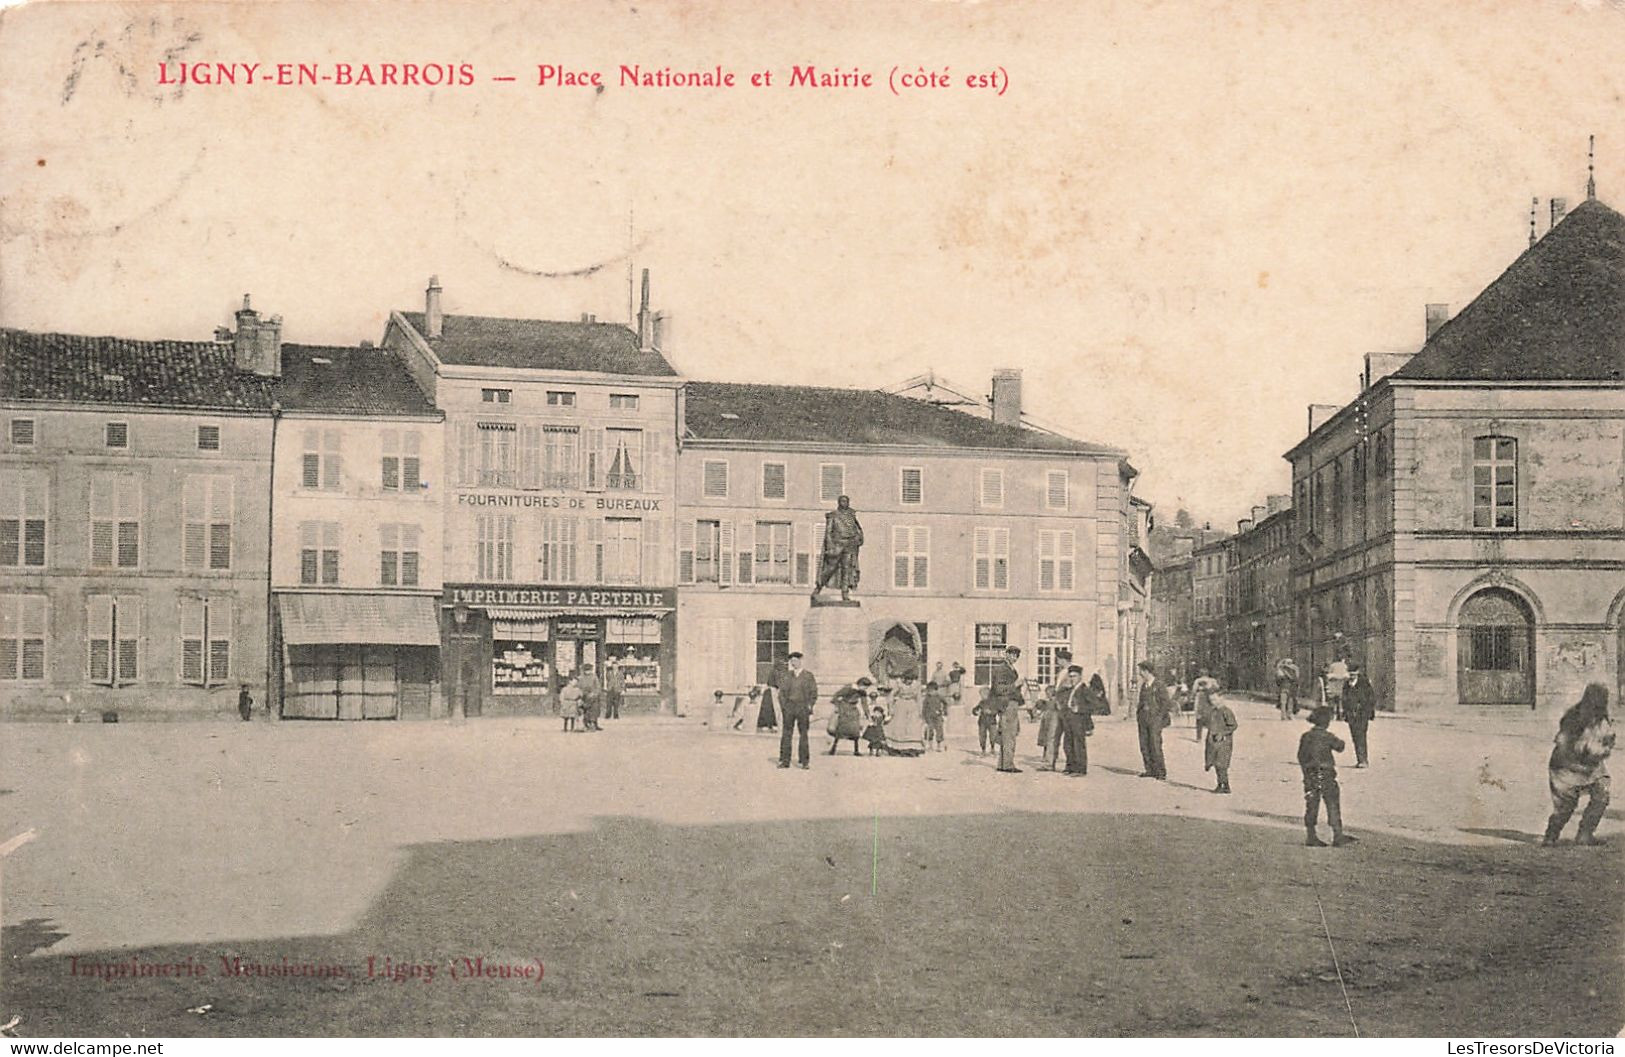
<point x="843" y="536"/>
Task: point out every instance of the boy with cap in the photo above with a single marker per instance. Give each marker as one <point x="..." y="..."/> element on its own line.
<point x="1319" y="766"/>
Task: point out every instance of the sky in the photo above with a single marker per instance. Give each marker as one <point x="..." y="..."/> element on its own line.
<point x="1184" y="222"/>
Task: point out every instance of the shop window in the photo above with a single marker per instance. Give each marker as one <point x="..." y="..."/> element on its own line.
<point x="1054" y="651"/>
<point x="23" y="518"/>
<point x="1495" y="483"/>
<point x="991" y="640"/>
<point x="24" y="628"/>
<point x="115" y="521"/>
<point x="772" y="647"/>
<point x="635" y="643"/>
<point x="206" y="625"/>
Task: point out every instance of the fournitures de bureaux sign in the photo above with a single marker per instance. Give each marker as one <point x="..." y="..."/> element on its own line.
<point x="582" y="598"/>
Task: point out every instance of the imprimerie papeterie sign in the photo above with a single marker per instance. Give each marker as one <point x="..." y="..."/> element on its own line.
<point x="583" y="598"/>
<point x="610" y="504"/>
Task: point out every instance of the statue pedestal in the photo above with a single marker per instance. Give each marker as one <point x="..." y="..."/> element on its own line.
<point x="835" y="639"/>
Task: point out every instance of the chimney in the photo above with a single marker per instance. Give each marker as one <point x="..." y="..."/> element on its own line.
<point x="1560" y="208"/>
<point x="1244" y="526"/>
<point x="1379" y="365"/>
<point x="1260" y="513"/>
<point x="432" y="319"/>
<point x="1006" y="399"/>
<point x="1437" y="316"/>
<point x="1278" y="503"/>
<point x="257" y="344"/>
<point x="1320" y="413"/>
<point x="645" y="320"/>
<point x="662" y="331"/>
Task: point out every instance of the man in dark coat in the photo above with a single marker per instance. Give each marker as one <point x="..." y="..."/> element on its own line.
<point x="798" y="692"/>
<point x="1152" y="712"/>
<point x="1004" y="698"/>
<point x="1359" y="708"/>
<point x="1076" y="703"/>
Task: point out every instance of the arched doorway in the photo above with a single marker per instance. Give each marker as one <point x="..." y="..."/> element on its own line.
<point x="1495" y="650"/>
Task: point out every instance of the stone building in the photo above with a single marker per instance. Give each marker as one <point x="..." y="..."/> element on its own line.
<point x="1210" y="612"/>
<point x="979" y="533"/>
<point x="560" y="458"/>
<point x="134" y="488"/>
<point x="357" y="488"/>
<point x="1261" y="626"/>
<point x="1171" y="642"/>
<point x="1461" y="524"/>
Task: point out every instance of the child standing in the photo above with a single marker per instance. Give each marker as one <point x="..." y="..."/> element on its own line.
<point x="1315" y="751"/>
<point x="570" y="704"/>
<point x="875" y="733"/>
<point x="1221" y="740"/>
<point x="934" y="708"/>
<point x="987" y="723"/>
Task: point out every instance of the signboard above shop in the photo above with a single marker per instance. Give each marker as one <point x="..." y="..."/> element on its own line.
<point x="574" y="598"/>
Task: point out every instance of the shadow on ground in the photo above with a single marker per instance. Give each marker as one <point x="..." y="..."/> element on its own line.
<point x="999" y="925"/>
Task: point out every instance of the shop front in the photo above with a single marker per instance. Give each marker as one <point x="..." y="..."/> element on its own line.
<point x="357" y="656"/>
<point x="511" y="649"/>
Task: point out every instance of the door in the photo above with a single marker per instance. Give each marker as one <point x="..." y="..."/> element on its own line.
<point x="312" y="689"/>
<point x="1495" y="650"/>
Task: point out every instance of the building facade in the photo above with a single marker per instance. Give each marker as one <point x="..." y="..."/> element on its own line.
<point x="560" y="459"/>
<point x="1461" y="525"/>
<point x="1261" y="626"/>
<point x="1170" y="627"/>
<point x="134" y="525"/>
<point x="357" y="491"/>
<point x="979" y="534"/>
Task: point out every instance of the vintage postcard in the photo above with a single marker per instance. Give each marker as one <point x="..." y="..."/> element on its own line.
<point x="913" y="518"/>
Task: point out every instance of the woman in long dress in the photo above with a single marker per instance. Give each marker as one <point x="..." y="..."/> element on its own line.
<point x="905" y="718"/>
<point x="766" y="717"/>
<point x="848" y="720"/>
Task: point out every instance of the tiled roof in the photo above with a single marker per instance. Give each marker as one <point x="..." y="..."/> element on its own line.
<point x="1557" y="314"/>
<point x="103" y="370"/>
<point x="347" y="379"/>
<point x="799" y="413"/>
<point x="541" y="344"/>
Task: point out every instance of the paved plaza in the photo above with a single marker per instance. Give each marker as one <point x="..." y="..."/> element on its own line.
<point x="669" y="880"/>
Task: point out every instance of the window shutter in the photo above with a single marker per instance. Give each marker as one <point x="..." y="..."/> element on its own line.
<point x="654" y="460"/>
<point x="1065" y="557"/>
<point x="129" y="639"/>
<point x="331" y="465"/>
<point x="221" y="614"/>
<point x="221" y="503"/>
<point x="595" y="549"/>
<point x="899" y="555"/>
<point x="34" y="620"/>
<point x="530" y="456"/>
<point x="592" y="444"/>
<point x="685" y="551"/>
<point x="982" y="559"/>
<point x="1058" y="498"/>
<point x="747" y="551"/>
<point x="803" y="534"/>
<point x="191" y="640"/>
<point x="725" y="554"/>
<point x="922" y="557"/>
<point x="1001" y="559"/>
<point x="99" y="635"/>
<point x="192" y="516"/>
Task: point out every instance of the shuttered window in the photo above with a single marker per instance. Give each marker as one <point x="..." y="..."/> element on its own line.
<point x="911" y="486"/>
<point x="24" y="627"/>
<point x="494" y="547"/>
<point x="715" y="484"/>
<point x="990" y="487"/>
<point x="206" y="519"/>
<point x="1057" y="490"/>
<point x="115" y="521"/>
<point x="773" y="480"/>
<point x="1056" y="559"/>
<point x="831" y="481"/>
<point x="113" y="635"/>
<point x="206" y="634"/>
<point x="911" y="556"/>
<point x="23" y="518"/>
<point x="991" y="559"/>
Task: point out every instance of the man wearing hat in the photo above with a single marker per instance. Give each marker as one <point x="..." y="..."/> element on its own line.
<point x="1152" y="713"/>
<point x="1359" y="709"/>
<point x="1004" y="697"/>
<point x="798" y="692"/>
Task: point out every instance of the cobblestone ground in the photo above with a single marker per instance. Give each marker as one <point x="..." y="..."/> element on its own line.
<point x="671" y="881"/>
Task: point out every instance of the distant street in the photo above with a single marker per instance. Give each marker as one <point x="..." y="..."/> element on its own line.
<point x="672" y="881"/>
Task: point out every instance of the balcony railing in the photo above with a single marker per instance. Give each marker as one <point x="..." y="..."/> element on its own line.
<point x="624" y="481"/>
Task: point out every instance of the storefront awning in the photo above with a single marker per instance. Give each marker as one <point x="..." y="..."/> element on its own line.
<point x="311" y="620"/>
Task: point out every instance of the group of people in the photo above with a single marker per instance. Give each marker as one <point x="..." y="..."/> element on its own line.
<point x="584" y="698"/>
